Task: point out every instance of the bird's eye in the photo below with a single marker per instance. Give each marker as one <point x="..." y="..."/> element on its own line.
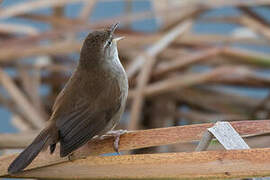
<point x="109" y="42"/>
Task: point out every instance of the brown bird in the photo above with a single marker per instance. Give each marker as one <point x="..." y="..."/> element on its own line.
<point x="90" y="104"/>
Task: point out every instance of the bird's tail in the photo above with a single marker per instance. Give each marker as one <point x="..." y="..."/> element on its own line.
<point x="29" y="154"/>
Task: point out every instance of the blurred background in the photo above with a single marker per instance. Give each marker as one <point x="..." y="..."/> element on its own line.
<point x="188" y="61"/>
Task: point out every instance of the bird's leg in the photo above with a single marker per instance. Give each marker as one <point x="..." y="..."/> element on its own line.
<point x="116" y="134"/>
<point x="52" y="148"/>
<point x="70" y="156"/>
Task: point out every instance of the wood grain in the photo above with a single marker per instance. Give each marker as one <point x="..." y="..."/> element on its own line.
<point x="195" y="165"/>
<point x="141" y="139"/>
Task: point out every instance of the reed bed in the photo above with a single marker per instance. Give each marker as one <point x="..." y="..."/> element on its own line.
<point x="177" y="76"/>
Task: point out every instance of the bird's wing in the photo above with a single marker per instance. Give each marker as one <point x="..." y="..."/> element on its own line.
<point x="81" y="126"/>
<point x="80" y="117"/>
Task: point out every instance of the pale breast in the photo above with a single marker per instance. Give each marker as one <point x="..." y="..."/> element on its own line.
<point x="119" y="74"/>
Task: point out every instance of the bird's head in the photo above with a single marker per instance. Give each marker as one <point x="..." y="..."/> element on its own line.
<point x="100" y="46"/>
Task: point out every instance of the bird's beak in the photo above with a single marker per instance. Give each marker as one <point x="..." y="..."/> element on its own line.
<point x="113" y="28"/>
<point x="118" y="38"/>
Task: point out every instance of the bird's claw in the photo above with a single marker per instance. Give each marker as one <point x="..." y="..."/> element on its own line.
<point x="116" y="134"/>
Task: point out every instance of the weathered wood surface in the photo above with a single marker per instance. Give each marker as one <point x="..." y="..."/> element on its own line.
<point x="205" y="141"/>
<point x="179" y="134"/>
<point x="141" y="139"/>
<point x="229" y="138"/>
<point x="195" y="165"/>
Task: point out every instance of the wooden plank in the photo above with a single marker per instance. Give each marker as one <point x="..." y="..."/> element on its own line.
<point x="181" y="134"/>
<point x="194" y="165"/>
<point x="141" y="139"/>
<point x="226" y="135"/>
<point x="229" y="138"/>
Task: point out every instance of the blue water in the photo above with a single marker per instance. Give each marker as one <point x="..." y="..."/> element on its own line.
<point x="109" y="9"/>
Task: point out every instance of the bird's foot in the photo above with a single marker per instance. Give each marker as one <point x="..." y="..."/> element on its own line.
<point x="116" y="134"/>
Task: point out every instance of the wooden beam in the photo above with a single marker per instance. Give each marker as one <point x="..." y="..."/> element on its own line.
<point x="194" y="165"/>
<point x="141" y="139"/>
